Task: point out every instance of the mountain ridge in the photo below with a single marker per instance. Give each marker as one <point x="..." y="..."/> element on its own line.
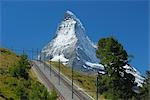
<point x="71" y="41"/>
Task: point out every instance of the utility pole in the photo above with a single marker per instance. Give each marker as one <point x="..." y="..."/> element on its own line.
<point x="72" y="81"/>
<point x="50" y="67"/>
<point x="59" y="71"/>
<point x="40" y="58"/>
<point x="97" y="86"/>
<point x="44" y="60"/>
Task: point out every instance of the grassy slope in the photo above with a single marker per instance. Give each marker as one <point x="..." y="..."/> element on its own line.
<point x="8" y="84"/>
<point x="87" y="82"/>
<point x="7" y="59"/>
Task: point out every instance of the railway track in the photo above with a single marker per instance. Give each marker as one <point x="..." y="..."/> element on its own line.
<point x="70" y="87"/>
<point x="77" y="92"/>
<point x="49" y="84"/>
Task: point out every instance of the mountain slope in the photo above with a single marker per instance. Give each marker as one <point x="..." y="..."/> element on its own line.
<point x="71" y="42"/>
<point x="14" y="86"/>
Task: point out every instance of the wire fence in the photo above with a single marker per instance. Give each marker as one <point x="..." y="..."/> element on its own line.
<point x="32" y="53"/>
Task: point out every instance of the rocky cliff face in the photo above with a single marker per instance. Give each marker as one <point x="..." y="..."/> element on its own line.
<point x="71" y="42"/>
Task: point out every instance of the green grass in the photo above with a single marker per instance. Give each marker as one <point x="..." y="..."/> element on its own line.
<point x="13" y="88"/>
<point x="87" y="82"/>
<point x="7" y="59"/>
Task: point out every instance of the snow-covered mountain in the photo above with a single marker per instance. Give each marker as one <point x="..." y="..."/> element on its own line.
<point x="71" y="46"/>
<point x="72" y="43"/>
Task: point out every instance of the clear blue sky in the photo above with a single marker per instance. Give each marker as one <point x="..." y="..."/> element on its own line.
<point x="32" y="24"/>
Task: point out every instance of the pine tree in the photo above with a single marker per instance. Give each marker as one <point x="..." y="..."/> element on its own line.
<point x="116" y="83"/>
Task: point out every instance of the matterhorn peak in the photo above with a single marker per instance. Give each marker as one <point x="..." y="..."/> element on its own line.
<point x="68" y="12"/>
<point x="69" y="15"/>
<point x="72" y="42"/>
<point x="72" y="47"/>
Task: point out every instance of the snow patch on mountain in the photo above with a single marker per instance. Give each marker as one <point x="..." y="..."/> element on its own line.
<point x="59" y="57"/>
<point x="138" y="78"/>
<point x="95" y="65"/>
